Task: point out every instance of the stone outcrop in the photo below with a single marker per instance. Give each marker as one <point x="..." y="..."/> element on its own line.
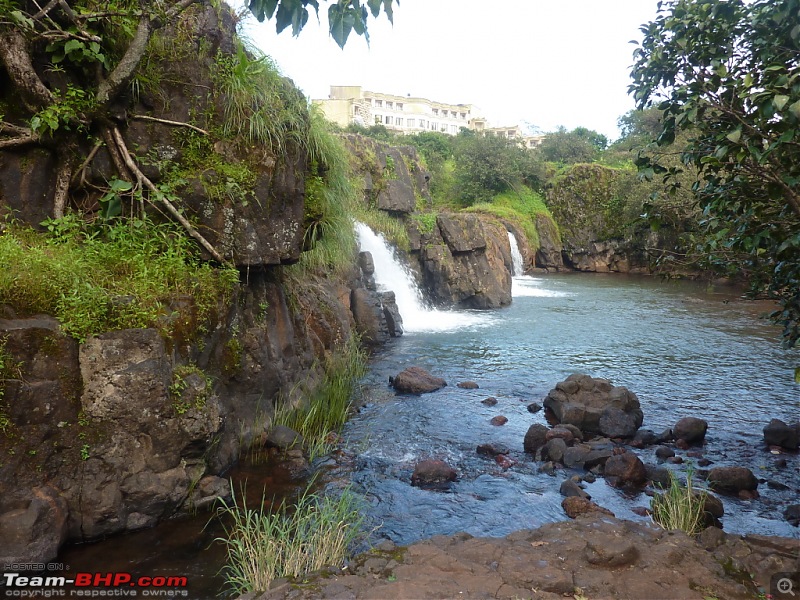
<point x="595" y="556"/>
<point x="465" y="262"/>
<point x="595" y="406"/>
<point x="778" y="433"/>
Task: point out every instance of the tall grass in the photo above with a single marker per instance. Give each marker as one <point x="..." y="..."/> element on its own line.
<point x="329" y="404"/>
<point x="520" y="206"/>
<point x="679" y="507"/>
<point x="96" y="278"/>
<point x="263" y="546"/>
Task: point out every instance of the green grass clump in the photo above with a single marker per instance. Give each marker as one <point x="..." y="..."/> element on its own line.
<point x="679" y="507"/>
<point x="97" y="278"/>
<point x="328" y="406"/>
<point x="521" y="206"/>
<point x="264" y="546"/>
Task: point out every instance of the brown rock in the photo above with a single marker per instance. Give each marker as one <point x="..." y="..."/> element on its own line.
<point x="431" y="472"/>
<point x="625" y="469"/>
<point x="576" y="507"/>
<point x="415" y="380"/>
<point x="499" y="420"/>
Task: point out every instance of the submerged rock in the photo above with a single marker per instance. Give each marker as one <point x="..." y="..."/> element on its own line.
<point x="778" y="433"/>
<point x="432" y="472"/>
<point x="690" y="429"/>
<point x="732" y="480"/>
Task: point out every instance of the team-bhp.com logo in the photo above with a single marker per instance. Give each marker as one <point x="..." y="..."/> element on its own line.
<point x="91" y="585"/>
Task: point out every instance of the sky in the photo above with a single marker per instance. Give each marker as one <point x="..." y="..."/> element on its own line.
<point x="542" y="63"/>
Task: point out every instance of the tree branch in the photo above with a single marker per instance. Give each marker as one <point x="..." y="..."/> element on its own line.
<point x="17" y="141"/>
<point x="126" y="67"/>
<point x="131" y="164"/>
<point x="17" y="60"/>
<point x="63" y="177"/>
<point x="168" y="122"/>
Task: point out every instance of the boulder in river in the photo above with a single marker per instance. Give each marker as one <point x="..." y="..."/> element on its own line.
<point x="576" y="506"/>
<point x="433" y="472"/>
<point x="732" y="480"/>
<point x="778" y="433"/>
<point x="595" y="405"/>
<point x="625" y="469"/>
<point x="535" y="438"/>
<point x="468" y="385"/>
<point x="416" y="380"/>
<point x="690" y="429"/>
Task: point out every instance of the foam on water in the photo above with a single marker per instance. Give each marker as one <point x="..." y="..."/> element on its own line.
<point x="392" y="274"/>
<point x="526" y="286"/>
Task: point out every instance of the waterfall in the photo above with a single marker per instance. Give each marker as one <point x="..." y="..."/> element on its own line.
<point x="517" y="265"/>
<point x="391" y="274"/>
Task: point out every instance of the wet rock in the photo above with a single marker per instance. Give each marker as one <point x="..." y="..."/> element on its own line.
<point x="548" y="468"/>
<point x="778" y="433"/>
<point x="748" y="494"/>
<point x="498" y="420"/>
<point x="792" y="514"/>
<point x="704" y="462"/>
<point x="577" y="434"/>
<point x="658" y="475"/>
<point x="600" y="452"/>
<point x="369" y="316"/>
<point x="468" y="385"/>
<point x="367" y="265"/>
<point x="534" y="407"/>
<point x="682" y="444"/>
<point x="732" y="480"/>
<point x="283" y="438"/>
<point x="675" y="460"/>
<point x="432" y="472"/>
<point x="416" y="380"/>
<point x="625" y="469"/>
<point x="664" y="452"/>
<point x="664" y="436"/>
<point x="691" y="429"/>
<point x="535" y="438"/>
<point x="571" y="488"/>
<point x="490" y="401"/>
<point x="642" y="511"/>
<point x="490" y="449"/>
<point x="391" y="312"/>
<point x="576" y="507"/>
<point x="776" y="485"/>
<point x="33" y="531"/>
<point x="554" y="450"/>
<point x="712" y="506"/>
<point x="595" y="406"/>
<point x="560" y="432"/>
<point x="575" y="456"/>
<point x="504" y="462"/>
<point x="208" y="491"/>
<point x="643" y="438"/>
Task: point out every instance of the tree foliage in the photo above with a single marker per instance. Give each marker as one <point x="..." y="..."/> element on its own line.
<point x="344" y="16"/>
<point x="576" y="146"/>
<point x="729" y="73"/>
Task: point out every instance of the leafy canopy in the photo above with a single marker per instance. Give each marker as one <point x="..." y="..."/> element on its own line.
<point x="729" y="72"/>
<point x="344" y="16"/>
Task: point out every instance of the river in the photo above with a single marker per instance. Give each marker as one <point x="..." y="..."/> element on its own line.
<point x="684" y="348"/>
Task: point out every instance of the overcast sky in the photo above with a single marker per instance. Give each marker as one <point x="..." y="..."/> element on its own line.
<point x="542" y="62"/>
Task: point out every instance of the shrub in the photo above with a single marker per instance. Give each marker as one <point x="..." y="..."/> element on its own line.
<point x="679" y="507"/>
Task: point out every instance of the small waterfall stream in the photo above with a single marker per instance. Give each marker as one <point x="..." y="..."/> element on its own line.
<point x="518" y="267"/>
<point x="392" y="274"/>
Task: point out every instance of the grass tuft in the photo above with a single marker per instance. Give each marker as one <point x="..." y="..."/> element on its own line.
<point x="264" y="546"/>
<point x="679" y="507"/>
<point x="97" y="278"/>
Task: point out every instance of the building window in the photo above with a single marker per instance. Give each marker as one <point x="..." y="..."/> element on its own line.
<point x="379" y="118"/>
<point x="399" y="106"/>
<point x="454" y="129"/>
<point x="411" y="122"/>
<point x="389" y="104"/>
<point x="463" y="115"/>
<point x="398" y="121"/>
<point x="388" y="120"/>
<point x="436" y="111"/>
<point x="378" y="102"/>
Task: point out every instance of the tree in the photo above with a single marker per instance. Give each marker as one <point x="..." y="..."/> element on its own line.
<point x="729" y="72"/>
<point x="568" y="147"/>
<point x="344" y="16"/>
<point x="70" y="64"/>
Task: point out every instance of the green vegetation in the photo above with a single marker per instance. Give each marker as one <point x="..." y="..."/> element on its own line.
<point x="679" y="507"/>
<point x="264" y="546"/>
<point x="522" y="207"/>
<point x="96" y="278"/>
<point x="735" y="89"/>
<point x="182" y="380"/>
<point x="328" y="406"/>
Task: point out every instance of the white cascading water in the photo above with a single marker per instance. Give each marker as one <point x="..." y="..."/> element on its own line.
<point x="521" y="284"/>
<point x="391" y="274"/>
<point x="517" y="267"/>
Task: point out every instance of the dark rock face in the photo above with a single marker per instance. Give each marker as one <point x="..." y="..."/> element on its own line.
<point x="433" y="472"/>
<point x="778" y="433"/>
<point x="690" y="429"/>
<point x="35" y="528"/>
<point x="625" y="469"/>
<point x="596" y="406"/>
<point x="462" y="262"/>
<point x="415" y="380"/>
<point x="570" y="488"/>
<point x="732" y="480"/>
<point x="535" y="438"/>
